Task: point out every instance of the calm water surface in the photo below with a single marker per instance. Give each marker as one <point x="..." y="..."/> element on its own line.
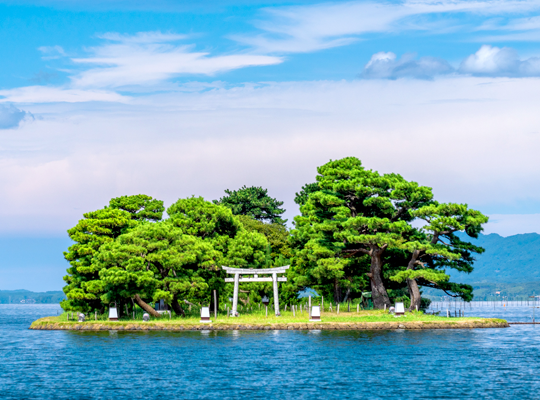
<point x="457" y="364"/>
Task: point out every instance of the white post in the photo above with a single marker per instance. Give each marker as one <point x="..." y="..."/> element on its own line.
<point x="293" y="311"/>
<point x="215" y="304"/>
<point x="235" y="294"/>
<point x="358" y="308"/>
<point x="276" y="294"/>
<point x="338" y="308"/>
<point x="309" y="306"/>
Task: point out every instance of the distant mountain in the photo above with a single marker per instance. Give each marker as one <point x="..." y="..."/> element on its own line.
<point x="512" y="259"/>
<point x="22" y="296"/>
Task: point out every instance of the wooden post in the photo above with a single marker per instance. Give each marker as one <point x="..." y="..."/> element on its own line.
<point x="338" y="308"/>
<point x="276" y="293"/>
<point x="309" y="306"/>
<point x="358" y="308"/>
<point x="235" y="294"/>
<point x="349" y="306"/>
<point x="293" y="312"/>
<point x="95" y="315"/>
<point x="215" y="304"/>
<point x="227" y="311"/>
<point x="266" y="311"/>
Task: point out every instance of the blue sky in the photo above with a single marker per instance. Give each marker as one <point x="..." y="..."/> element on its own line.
<point x="172" y="99"/>
<point x="43" y="42"/>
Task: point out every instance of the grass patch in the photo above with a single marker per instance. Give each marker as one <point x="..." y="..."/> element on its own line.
<point x="259" y="318"/>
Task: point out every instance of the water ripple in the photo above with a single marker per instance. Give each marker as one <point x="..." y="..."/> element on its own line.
<point x="453" y="364"/>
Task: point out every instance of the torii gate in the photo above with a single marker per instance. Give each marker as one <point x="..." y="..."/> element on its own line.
<point x="256" y="272"/>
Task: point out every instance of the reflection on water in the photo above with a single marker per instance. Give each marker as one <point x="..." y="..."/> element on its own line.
<point x="465" y="364"/>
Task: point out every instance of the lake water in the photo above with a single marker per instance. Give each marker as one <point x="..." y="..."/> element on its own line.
<point x="450" y="364"/>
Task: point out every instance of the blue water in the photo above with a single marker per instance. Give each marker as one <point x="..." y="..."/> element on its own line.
<point x="451" y="364"/>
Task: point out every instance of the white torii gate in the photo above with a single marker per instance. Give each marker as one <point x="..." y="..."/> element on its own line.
<point x="256" y="272"/>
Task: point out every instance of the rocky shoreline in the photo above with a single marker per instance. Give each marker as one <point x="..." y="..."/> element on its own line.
<point x="45" y="324"/>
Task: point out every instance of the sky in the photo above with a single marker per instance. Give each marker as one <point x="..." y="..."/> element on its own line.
<point x="173" y="99"/>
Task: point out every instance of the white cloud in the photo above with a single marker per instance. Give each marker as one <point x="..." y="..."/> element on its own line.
<point x="11" y="116"/>
<point x="386" y="66"/>
<point x="487" y="61"/>
<point x="143" y="37"/>
<point x="522" y="24"/>
<point x="134" y="63"/>
<point x="474" y="140"/>
<point x="151" y="58"/>
<point x="495" y="61"/>
<point x="322" y="26"/>
<point x="52" y="52"/>
<point x="49" y="94"/>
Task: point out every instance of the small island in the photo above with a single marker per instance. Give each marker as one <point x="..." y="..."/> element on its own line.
<point x="363" y="320"/>
<point x="363" y="240"/>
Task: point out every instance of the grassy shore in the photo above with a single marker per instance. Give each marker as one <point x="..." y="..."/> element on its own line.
<point x="372" y="319"/>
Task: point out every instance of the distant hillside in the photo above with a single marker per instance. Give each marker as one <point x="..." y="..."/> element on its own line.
<point x="27" y="297"/>
<point x="512" y="259"/>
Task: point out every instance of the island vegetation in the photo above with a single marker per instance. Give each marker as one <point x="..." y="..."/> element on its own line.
<point x="362" y="238"/>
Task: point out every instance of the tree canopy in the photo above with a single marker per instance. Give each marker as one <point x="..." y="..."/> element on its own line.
<point x="359" y="233"/>
<point x="175" y="259"/>
<point x="254" y="202"/>
<point x="84" y="287"/>
<point x="359" y="217"/>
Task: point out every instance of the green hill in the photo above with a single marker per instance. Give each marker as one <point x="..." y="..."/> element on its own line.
<point x="510" y="267"/>
<point x="512" y="259"/>
<point x="22" y="296"/>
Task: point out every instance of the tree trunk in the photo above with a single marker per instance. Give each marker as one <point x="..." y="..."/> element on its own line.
<point x="213" y="304"/>
<point x="414" y="291"/>
<point x="145" y="306"/>
<point x="347" y="293"/>
<point x="176" y="307"/>
<point x="414" y="294"/>
<point x="337" y="291"/>
<point x="378" y="291"/>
